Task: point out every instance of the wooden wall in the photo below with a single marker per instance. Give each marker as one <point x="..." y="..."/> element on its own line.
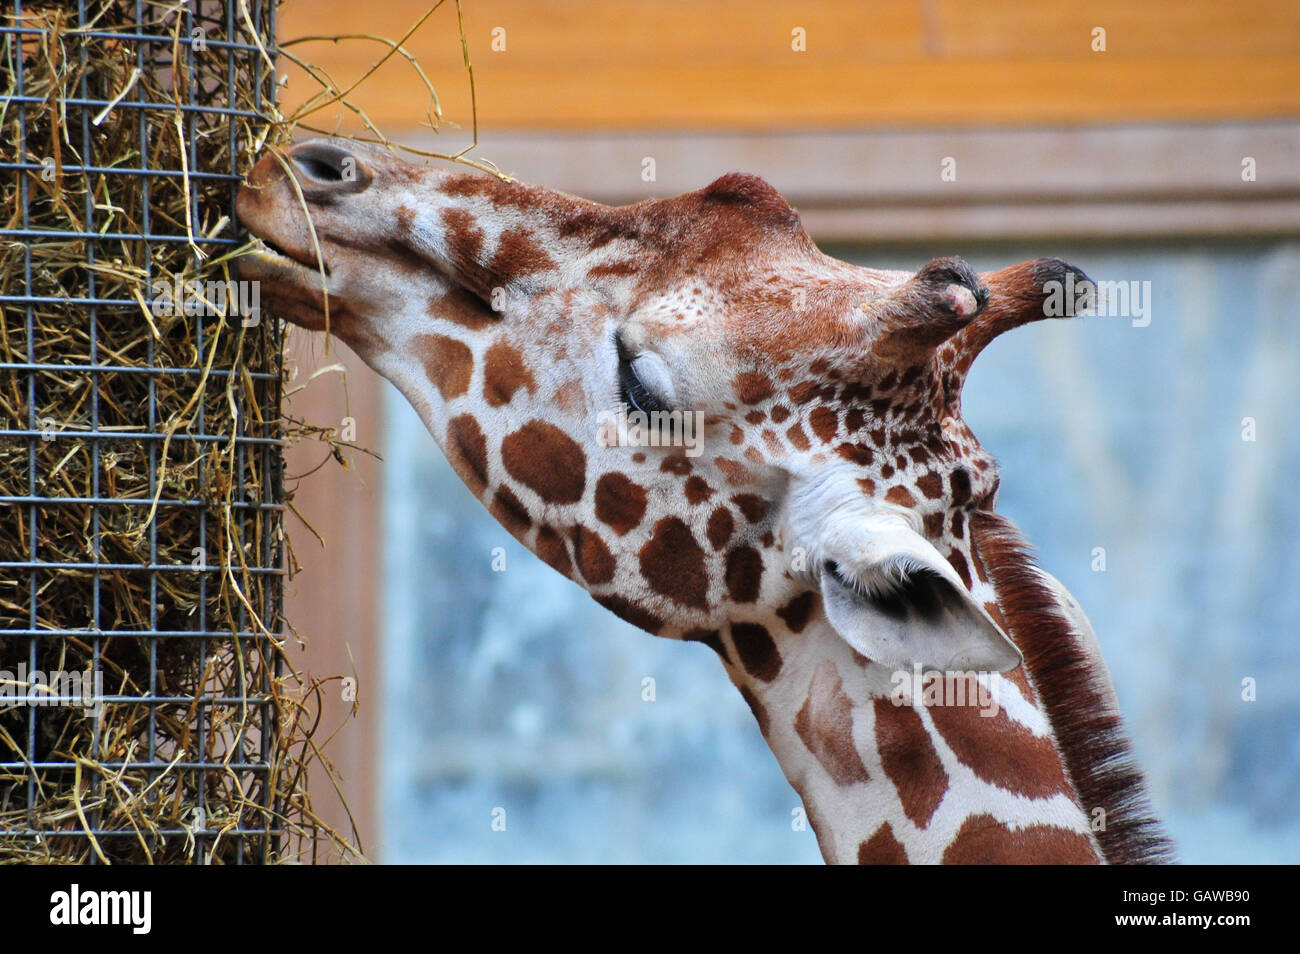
<point x="728" y="64"/>
<point x="333" y="601"/>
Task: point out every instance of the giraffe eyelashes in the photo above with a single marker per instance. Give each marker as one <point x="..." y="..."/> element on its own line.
<point x="643" y="381"/>
<point x="633" y="391"/>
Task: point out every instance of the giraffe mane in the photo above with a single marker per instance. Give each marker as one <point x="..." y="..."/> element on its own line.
<point x="1097" y="752"/>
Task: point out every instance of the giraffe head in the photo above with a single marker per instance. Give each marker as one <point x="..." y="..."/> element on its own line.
<point x="723" y="434"/>
<point x="681" y="404"/>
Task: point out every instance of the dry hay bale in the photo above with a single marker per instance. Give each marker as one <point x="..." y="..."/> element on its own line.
<point x="141" y="492"/>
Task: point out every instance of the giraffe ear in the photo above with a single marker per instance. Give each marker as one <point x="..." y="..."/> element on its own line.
<point x="898" y="602"/>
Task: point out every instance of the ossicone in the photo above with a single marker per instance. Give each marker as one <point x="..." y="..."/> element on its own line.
<point x="1019" y="294"/>
<point x="925" y="311"/>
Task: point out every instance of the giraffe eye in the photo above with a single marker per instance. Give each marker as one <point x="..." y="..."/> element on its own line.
<point x="635" y="393"/>
<point x="644" y="383"/>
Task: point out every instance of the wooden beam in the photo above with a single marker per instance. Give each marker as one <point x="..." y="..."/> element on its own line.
<point x="729" y="65"/>
<point x="1077" y="182"/>
<point x="333" y="602"/>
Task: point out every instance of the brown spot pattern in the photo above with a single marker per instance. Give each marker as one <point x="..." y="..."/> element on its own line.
<point x="806" y="391"/>
<point x="910" y="760"/>
<point x="548" y="461"/>
<point x="752" y="387"/>
<point x="509" y="512"/>
<point x="697" y="489"/>
<point x="900" y="495"/>
<point x="824" y="422"/>
<point x="464" y="309"/>
<point x="448" y="363"/>
<point x="798" y="611"/>
<point x="930" y="484"/>
<point x="504" y="373"/>
<point x="882" y="848"/>
<point x="673" y="564"/>
<point x="744" y="574"/>
<point x="825" y="724"/>
<point x="859" y="454"/>
<point x="678" y="464"/>
<point x="517" y="254"/>
<point x="757" y="650"/>
<point x="959" y="481"/>
<point x="620" y="503"/>
<point x="1001" y="752"/>
<point x="983" y="840"/>
<point x="551" y="548"/>
<point x="721" y="525"/>
<point x="614" y="270"/>
<point x="752" y="506"/>
<point x="629" y="612"/>
<point x="959" y="564"/>
<point x="737" y="474"/>
<point x="467" y="452"/>
<point x="464" y="239"/>
<point x="595" y="562"/>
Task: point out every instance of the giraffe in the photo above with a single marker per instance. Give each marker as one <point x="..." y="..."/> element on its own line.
<point x="829" y="529"/>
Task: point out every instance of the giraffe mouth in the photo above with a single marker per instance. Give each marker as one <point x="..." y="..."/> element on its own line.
<point x="267" y="251"/>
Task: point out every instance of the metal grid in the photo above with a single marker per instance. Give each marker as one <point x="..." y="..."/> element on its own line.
<point x="177" y="755"/>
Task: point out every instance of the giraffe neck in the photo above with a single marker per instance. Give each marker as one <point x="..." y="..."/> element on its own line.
<point x="886" y="777"/>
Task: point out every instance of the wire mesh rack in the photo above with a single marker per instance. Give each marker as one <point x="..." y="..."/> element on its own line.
<point x="141" y="489"/>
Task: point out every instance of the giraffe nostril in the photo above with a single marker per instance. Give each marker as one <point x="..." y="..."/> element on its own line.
<point x="314" y="168"/>
<point x="324" y="166"/>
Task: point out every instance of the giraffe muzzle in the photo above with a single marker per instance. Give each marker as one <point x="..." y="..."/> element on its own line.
<point x="315" y="234"/>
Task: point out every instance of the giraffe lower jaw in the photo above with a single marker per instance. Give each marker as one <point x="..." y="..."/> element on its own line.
<point x="266" y="252"/>
<point x="295" y="289"/>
